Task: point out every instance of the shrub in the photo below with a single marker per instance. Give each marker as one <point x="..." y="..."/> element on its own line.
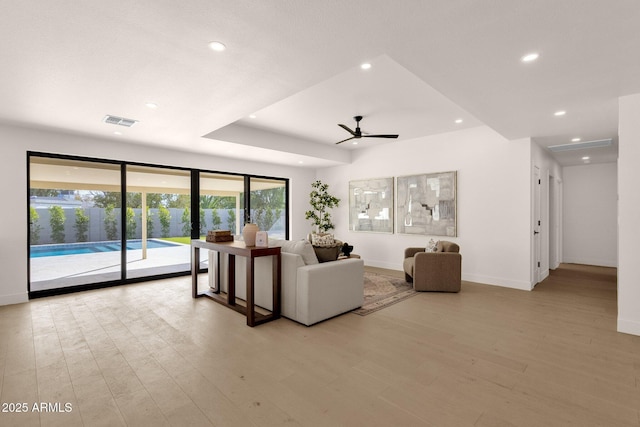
<point x="186" y="221"/>
<point x="56" y="220"/>
<point x="231" y="220"/>
<point x="203" y="222"/>
<point x="81" y="225"/>
<point x="149" y="222"/>
<point x="215" y="220"/>
<point x="110" y="223"/>
<point x="34" y="227"/>
<point x="165" y="220"/>
<point x="131" y="223"/>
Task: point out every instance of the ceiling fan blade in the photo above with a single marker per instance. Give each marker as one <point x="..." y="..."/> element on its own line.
<point x="344" y="140"/>
<point x="347" y="129"/>
<point x="379" y="136"/>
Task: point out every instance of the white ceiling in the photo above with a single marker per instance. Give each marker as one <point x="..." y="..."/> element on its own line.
<point x="295" y="64"/>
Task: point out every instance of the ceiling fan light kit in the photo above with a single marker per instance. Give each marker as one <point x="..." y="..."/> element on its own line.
<point x="357" y="134"/>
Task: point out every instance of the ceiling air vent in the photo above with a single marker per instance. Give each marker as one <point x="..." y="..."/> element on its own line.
<point x="580" y="145"/>
<point x="115" y="120"/>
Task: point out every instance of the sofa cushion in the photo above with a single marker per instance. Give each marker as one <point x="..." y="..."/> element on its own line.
<point x="432" y="246"/>
<point x="298" y="247"/>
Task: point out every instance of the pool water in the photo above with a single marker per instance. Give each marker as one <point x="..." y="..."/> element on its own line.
<point x="94" y="247"/>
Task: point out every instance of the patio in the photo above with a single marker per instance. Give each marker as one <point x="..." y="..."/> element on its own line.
<point x="70" y="270"/>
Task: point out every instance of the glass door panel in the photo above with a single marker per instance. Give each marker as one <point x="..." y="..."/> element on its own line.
<point x="158" y="221"/>
<point x="268" y="204"/>
<point x="74" y="218"/>
<point x="221" y="204"/>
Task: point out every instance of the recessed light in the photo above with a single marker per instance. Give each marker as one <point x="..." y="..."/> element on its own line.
<point x="365" y="66"/>
<point x="300" y="162"/>
<point x="559" y="113"/>
<point x="217" y="46"/>
<point x="355" y="143"/>
<point x="458" y="121"/>
<point x="575" y="140"/>
<point x="117" y="133"/>
<point x="586" y="158"/>
<point x="530" y="57"/>
<point x="252" y="116"/>
<point x="151" y="105"/>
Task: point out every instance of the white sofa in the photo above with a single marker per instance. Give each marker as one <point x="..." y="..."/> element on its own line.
<point x="311" y="291"/>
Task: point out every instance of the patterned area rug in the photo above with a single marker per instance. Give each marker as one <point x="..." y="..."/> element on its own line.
<point x="381" y="291"/>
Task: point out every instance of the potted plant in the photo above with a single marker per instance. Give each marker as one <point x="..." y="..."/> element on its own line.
<point x="321" y="201"/>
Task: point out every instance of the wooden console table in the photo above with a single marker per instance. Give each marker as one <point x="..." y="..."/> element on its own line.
<point x="250" y="252"/>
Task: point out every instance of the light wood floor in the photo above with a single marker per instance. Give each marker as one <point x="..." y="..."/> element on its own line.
<point x="148" y="354"/>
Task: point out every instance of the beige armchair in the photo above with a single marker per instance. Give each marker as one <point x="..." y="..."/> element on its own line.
<point x="434" y="271"/>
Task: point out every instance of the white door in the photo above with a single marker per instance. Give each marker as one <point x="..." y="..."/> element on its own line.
<point x="537" y="272"/>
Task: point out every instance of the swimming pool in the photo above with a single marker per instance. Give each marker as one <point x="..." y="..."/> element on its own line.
<point x="94" y="247"/>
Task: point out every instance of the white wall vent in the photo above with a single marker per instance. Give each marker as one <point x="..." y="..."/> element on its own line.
<point x="115" y="120"/>
<point x="580" y="145"/>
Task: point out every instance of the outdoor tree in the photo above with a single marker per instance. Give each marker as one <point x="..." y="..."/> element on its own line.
<point x="81" y="225"/>
<point x="320" y="201"/>
<point x="217" y="202"/>
<point x="34" y="227"/>
<point x="132" y="225"/>
<point x="266" y="206"/>
<point x="177" y="201"/>
<point x="56" y="220"/>
<point x="110" y="222"/>
<point x="102" y="199"/>
<point x="165" y="220"/>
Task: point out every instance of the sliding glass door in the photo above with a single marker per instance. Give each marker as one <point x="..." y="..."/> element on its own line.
<point x="74" y="222"/>
<point x="158" y="221"/>
<point x="98" y="223"/>
<point x="268" y="201"/>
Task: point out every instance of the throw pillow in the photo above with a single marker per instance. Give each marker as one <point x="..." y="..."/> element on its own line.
<point x="322" y="239"/>
<point x="432" y="246"/>
<point x="300" y="247"/>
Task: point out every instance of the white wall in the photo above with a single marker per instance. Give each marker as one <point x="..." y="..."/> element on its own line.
<point x="590" y="222"/>
<point x="16" y="141"/>
<point x="494" y="200"/>
<point x="629" y="215"/>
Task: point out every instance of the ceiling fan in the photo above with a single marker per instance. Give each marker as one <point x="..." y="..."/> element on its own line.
<point x="357" y="134"/>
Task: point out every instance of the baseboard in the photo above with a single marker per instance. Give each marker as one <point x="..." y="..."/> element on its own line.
<point x="544" y="275"/>
<point x="387" y="265"/>
<point x="591" y="261"/>
<point x="485" y="280"/>
<point x="498" y="281"/>
<point x="628" y="326"/>
<point x="14" y="299"/>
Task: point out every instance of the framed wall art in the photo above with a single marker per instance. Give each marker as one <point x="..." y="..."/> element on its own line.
<point x="371" y="205"/>
<point x="426" y="204"/>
